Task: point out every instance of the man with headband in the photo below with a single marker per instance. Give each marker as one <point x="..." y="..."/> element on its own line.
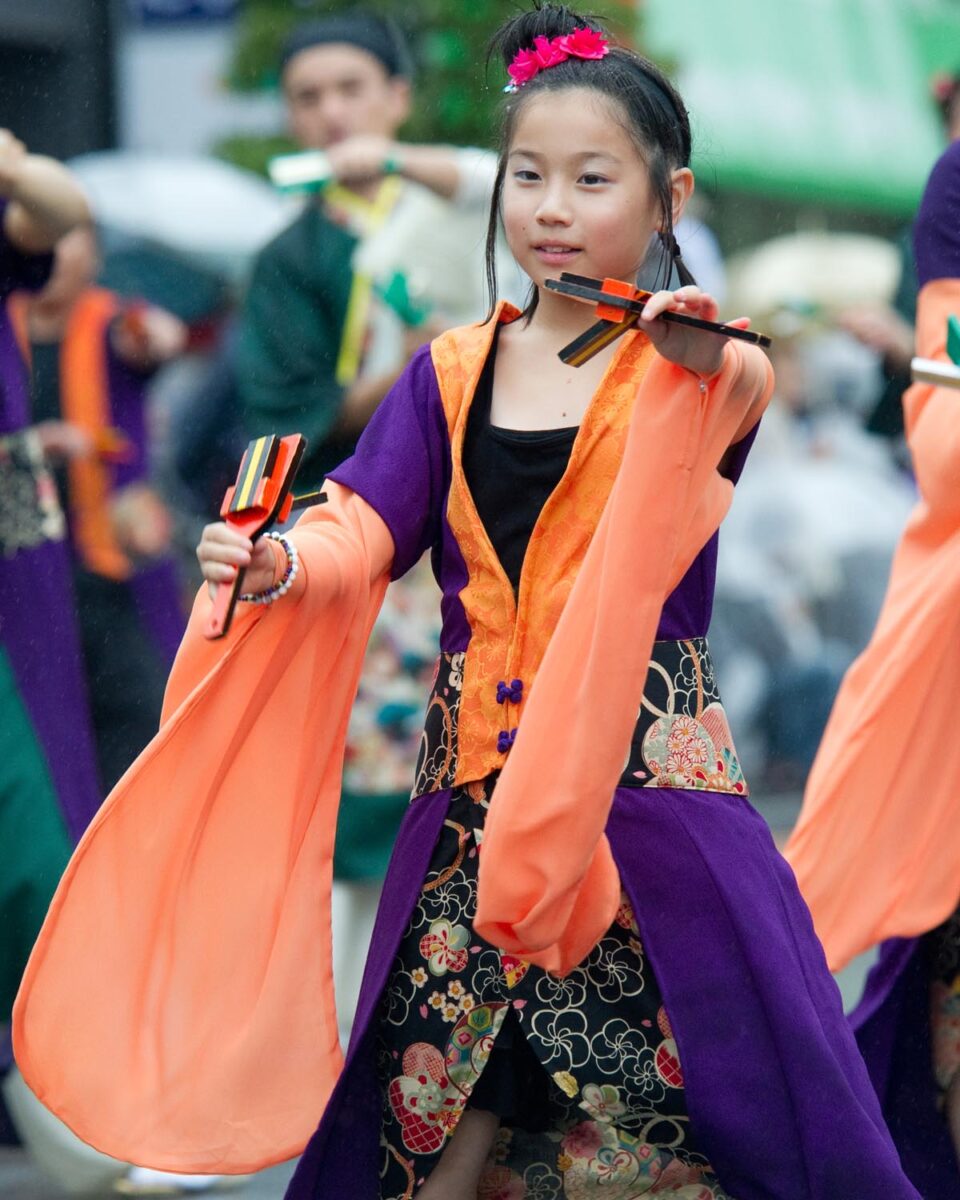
<point x="391" y="250"/>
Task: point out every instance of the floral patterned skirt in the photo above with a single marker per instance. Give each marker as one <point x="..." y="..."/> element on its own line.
<point x="583" y="1071"/>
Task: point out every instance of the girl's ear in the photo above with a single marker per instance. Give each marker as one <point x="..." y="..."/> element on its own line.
<point x="681" y="189"/>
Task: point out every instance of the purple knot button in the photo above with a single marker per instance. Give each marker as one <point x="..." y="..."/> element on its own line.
<point x="505" y="740"/>
<point x="512" y="691"/>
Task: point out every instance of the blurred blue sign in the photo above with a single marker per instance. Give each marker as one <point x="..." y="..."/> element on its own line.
<point x="150" y="12"/>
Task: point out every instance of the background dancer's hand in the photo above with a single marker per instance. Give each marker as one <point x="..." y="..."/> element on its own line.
<point x="63" y="442"/>
<point x="223" y="550"/>
<point x="360" y="158"/>
<point x="695" y="349"/>
<point x="13" y="154"/>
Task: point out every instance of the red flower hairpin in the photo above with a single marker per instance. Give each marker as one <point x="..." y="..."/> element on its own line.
<point x="549" y="52"/>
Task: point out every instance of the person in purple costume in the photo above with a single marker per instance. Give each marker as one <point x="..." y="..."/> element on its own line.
<point x="49" y="789"/>
<point x="908" y="1022"/>
<point x="92" y="357"/>
<point x="700" y="1049"/>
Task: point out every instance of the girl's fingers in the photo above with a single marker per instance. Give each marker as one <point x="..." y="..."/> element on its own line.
<point x="691" y="294"/>
<point x="223" y="534"/>
<point x="690" y="300"/>
<point x="215" y="572"/>
<point x="697" y="304"/>
<point x="220" y="543"/>
<point x="659" y="302"/>
<point x="740" y="323"/>
<point x="220" y="552"/>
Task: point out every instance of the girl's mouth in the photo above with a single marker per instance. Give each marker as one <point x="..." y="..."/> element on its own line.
<point x="555" y="254"/>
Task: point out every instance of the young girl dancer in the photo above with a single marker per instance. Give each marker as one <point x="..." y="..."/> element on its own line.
<point x="876" y="849"/>
<point x="591" y="973"/>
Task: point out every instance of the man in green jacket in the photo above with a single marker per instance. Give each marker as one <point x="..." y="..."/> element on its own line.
<point x="385" y="255"/>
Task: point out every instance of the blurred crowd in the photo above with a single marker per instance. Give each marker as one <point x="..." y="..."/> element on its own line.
<point x="148" y="364"/>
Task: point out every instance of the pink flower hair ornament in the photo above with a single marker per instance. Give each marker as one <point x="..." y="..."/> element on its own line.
<point x="549" y="52"/>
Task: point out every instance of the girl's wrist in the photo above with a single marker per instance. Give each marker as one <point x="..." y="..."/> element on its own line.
<point x="708" y="370"/>
<point x="285" y="572"/>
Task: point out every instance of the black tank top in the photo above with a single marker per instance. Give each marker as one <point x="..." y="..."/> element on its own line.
<point x="510" y="473"/>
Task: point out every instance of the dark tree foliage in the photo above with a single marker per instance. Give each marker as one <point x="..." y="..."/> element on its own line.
<point x="455" y="93"/>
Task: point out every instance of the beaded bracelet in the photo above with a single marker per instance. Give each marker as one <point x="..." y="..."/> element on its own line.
<point x="279" y="589"/>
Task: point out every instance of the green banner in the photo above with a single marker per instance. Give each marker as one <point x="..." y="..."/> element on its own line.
<point x="812" y="100"/>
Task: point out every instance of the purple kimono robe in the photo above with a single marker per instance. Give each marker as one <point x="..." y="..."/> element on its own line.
<point x="776" y="1091"/>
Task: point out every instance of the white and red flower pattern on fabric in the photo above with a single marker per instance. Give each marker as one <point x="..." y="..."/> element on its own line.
<point x="625" y="917"/>
<point x="602" y="1102"/>
<point x="445" y="947"/>
<point x="501" y="1183"/>
<point x="583" y="1140"/>
<point x="514" y="969"/>
<point x="386" y="720"/>
<point x="667" y="1056"/>
<point x="600" y="1159"/>
<point x="616" y="1121"/>
<point x="682" y="751"/>
<point x="425" y="1106"/>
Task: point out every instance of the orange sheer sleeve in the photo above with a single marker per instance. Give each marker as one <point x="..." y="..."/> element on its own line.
<point x="876" y="850"/>
<point x="548" y="886"/>
<point x="178" y="1010"/>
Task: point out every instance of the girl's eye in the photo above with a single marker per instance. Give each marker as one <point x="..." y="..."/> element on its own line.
<point x="592" y="179"/>
<point x="525" y="175"/>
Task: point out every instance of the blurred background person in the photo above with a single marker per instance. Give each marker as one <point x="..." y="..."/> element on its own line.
<point x="806" y="551"/>
<point x="389" y="252"/>
<point x="875" y="850"/>
<point x="92" y="356"/>
<point x="888" y="329"/>
<point x="49" y="787"/>
<point x="48" y="784"/>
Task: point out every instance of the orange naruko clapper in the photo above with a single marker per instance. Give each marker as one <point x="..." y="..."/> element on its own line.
<point x="619" y="306"/>
<point x="261" y="496"/>
<point x="617" y="287"/>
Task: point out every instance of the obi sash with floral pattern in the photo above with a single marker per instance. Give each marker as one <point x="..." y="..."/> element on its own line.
<point x="30" y="512"/>
<point x="681" y="740"/>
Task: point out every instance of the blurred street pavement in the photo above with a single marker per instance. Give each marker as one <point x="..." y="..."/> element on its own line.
<point x="20" y="1180"/>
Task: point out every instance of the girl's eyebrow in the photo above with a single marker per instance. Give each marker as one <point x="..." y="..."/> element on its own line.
<point x="581" y="156"/>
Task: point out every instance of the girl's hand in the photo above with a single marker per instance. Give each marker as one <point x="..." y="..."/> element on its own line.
<point x="695" y="349"/>
<point x="222" y="551"/>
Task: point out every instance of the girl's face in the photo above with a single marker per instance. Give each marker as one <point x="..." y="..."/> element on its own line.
<point x="577" y="196"/>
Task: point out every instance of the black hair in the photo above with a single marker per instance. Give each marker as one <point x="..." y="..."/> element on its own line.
<point x="656" y="117"/>
<point x="359" y="27"/>
<point x="946" y="95"/>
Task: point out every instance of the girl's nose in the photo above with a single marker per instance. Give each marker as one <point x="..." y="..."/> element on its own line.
<point x="554" y="208"/>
